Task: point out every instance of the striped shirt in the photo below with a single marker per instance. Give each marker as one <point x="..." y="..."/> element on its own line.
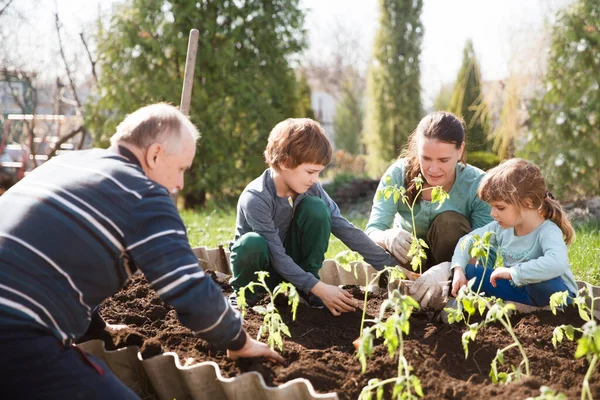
<point x="73" y="231"/>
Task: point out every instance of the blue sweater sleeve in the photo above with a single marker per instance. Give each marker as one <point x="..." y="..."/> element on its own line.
<point x="553" y="263"/>
<point x="157" y="243"/>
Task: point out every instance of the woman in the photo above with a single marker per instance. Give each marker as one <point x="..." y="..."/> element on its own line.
<point x="436" y="151"/>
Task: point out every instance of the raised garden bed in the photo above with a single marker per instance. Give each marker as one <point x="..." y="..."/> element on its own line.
<point x="321" y="349"/>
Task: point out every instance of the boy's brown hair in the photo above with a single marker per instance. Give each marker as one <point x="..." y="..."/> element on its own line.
<point x="297" y="141"/>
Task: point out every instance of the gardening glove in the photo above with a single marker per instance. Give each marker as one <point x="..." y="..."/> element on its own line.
<point x="428" y="288"/>
<point x="397" y="241"/>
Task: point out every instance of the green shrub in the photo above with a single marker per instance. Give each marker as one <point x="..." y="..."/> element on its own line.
<point x="483" y="159"/>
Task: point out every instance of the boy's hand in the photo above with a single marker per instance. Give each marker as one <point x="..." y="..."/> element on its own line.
<point x="458" y="280"/>
<point x="500" y="273"/>
<point x="336" y="300"/>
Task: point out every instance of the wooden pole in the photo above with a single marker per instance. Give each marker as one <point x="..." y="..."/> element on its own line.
<point x="188" y="80"/>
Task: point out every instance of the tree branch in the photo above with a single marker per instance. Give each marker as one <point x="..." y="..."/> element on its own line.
<point x="64" y="58"/>
<point x="89" y="53"/>
<point x="5" y="7"/>
<point x="64" y="139"/>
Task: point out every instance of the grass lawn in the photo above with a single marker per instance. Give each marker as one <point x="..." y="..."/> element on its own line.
<point x="217" y="226"/>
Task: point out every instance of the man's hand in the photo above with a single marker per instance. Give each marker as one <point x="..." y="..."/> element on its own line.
<point x="336" y="300"/>
<point x="459" y="280"/>
<point x="426" y="285"/>
<point x="397" y="241"/>
<point x="254" y="348"/>
<point x="500" y="273"/>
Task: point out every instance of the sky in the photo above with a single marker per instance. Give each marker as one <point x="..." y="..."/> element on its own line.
<point x="500" y="30"/>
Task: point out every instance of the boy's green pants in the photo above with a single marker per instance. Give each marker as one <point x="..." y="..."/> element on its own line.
<point x="306" y="243"/>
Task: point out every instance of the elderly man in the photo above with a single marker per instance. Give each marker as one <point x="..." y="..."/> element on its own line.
<point x="72" y="233"/>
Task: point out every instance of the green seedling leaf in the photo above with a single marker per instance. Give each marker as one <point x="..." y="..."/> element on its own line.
<point x="380" y="393"/>
<point x="499" y="260"/>
<point x="412" y="302"/>
<point x="438" y="195"/>
<point x="398" y="388"/>
<point x="468" y="306"/>
<point x="345" y="259"/>
<point x="469" y="336"/>
<point x="285" y="330"/>
<point x="418" y="181"/>
<point x="583" y="314"/>
<point x="547" y="393"/>
<point x="558" y="300"/>
<point x="387" y="180"/>
<point x="260" y="332"/>
<point x="557" y="335"/>
<point x="569" y="332"/>
<point x="417" y="385"/>
<point x="583" y="347"/>
<point x="387" y="192"/>
<point x="481" y="307"/>
<point x="500" y="356"/>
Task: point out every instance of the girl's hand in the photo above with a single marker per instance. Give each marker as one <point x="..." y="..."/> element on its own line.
<point x="500" y="273"/>
<point x="458" y="280"/>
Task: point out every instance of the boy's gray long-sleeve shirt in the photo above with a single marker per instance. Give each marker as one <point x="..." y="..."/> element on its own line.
<point x="262" y="211"/>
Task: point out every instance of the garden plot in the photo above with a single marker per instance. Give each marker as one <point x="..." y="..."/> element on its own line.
<point x="320" y="349"/>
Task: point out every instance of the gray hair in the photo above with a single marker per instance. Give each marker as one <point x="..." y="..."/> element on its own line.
<point x="157" y="123"/>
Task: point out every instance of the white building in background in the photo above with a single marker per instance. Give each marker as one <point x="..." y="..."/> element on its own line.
<point x="324" y="105"/>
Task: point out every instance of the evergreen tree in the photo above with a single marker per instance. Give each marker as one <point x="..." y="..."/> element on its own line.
<point x="442" y="100"/>
<point x="243" y="82"/>
<point x="467" y="101"/>
<point x="394" y="88"/>
<point x="305" y="109"/>
<point x="348" y="122"/>
<point x="565" y="119"/>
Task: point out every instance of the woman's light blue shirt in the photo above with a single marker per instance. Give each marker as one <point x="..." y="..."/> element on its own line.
<point x="463" y="199"/>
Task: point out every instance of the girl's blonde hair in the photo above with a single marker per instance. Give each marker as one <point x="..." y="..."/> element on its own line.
<point x="517" y="180"/>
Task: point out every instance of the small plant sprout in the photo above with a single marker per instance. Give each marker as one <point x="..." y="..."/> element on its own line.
<point x="479" y="249"/>
<point x="438" y="195"/>
<point x="273" y="326"/>
<point x="345" y="259"/>
<point x="547" y="393"/>
<point x="392" y="329"/>
<point x="588" y="344"/>
<point x="497" y="311"/>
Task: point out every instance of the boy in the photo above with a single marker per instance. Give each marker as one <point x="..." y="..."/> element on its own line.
<point x="285" y="218"/>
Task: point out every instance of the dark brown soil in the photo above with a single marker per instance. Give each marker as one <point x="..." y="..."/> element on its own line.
<point x="321" y="349"/>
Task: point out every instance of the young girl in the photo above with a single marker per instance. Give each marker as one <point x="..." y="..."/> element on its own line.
<point x="530" y="230"/>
